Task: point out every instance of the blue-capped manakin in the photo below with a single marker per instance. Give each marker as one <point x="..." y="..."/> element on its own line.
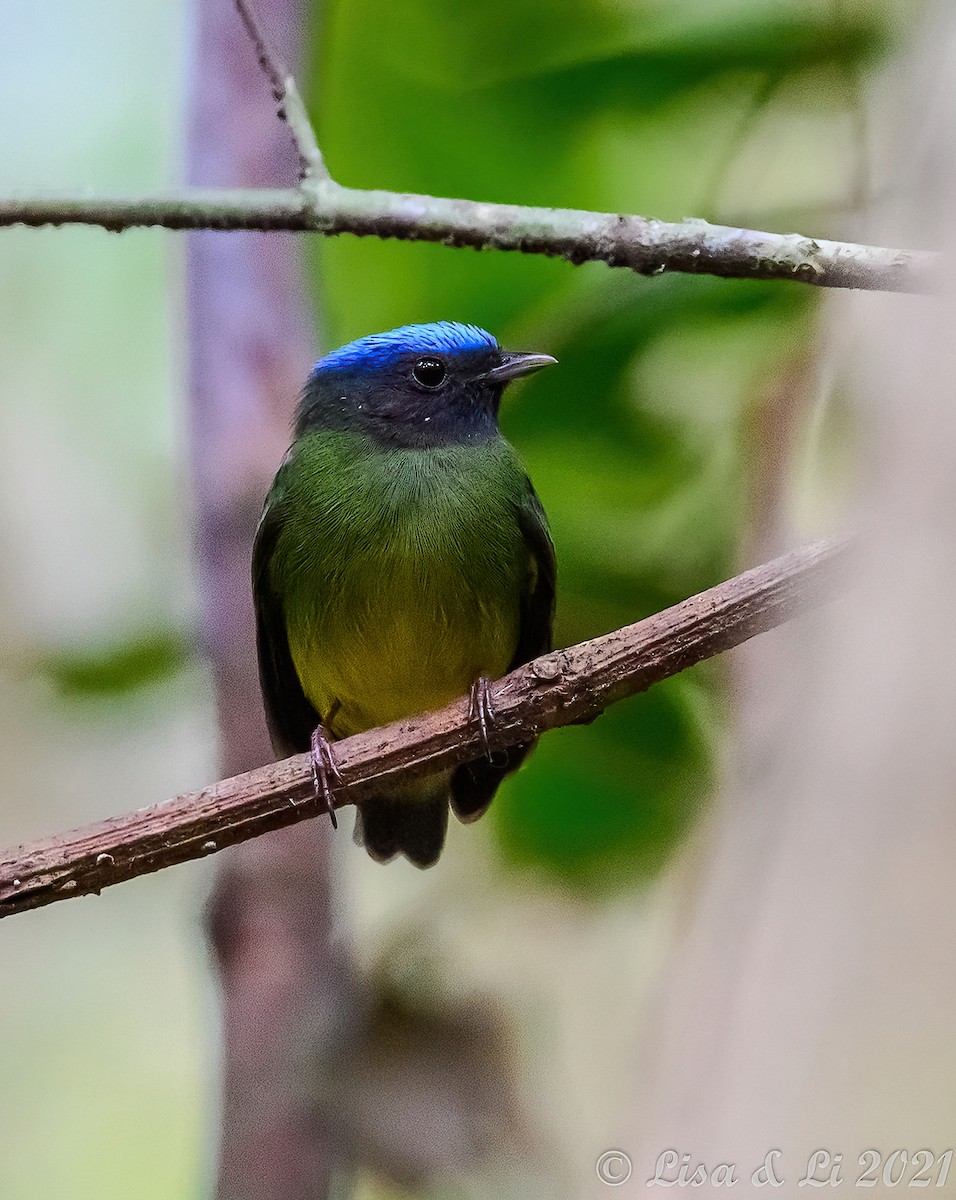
<point x="402" y="558"/>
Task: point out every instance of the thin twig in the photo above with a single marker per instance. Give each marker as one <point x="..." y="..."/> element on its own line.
<point x="566" y="687"/>
<point x="642" y="244"/>
<point x="286" y="95"/>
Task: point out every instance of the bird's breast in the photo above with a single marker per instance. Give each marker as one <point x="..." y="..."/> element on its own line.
<point x="408" y="573"/>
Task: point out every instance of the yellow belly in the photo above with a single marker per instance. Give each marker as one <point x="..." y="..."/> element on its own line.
<point x="399" y="658"/>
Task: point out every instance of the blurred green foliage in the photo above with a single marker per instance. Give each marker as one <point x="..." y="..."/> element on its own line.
<point x="87" y="672"/>
<point x="640" y="442"/>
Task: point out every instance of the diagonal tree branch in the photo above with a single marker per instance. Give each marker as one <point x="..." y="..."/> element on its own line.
<point x="319" y="205"/>
<point x="565" y="687"/>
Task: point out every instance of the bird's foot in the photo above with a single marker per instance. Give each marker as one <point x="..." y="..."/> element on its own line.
<point x="481" y="710"/>
<point x="324" y="766"/>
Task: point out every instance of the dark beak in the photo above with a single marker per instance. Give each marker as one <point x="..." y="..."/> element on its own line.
<point x="513" y="366"/>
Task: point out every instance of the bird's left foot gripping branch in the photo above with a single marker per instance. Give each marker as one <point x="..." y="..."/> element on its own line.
<point x="402" y="559"/>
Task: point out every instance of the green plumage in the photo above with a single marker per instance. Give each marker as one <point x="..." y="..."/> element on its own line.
<point x="401" y="572"/>
<point x="388" y="578"/>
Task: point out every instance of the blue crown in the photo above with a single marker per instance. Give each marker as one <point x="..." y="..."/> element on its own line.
<point x="381" y="349"/>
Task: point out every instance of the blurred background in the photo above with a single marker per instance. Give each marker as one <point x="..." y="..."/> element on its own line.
<point x="694" y="427"/>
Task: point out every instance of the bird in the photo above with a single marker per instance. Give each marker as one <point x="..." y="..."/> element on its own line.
<point x="402" y="559"/>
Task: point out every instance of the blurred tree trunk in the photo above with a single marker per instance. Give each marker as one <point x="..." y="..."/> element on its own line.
<point x="808" y="1007"/>
<point x="250" y="344"/>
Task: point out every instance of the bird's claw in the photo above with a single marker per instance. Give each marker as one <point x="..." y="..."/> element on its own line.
<point x="481" y="709"/>
<point x="323" y="766"/>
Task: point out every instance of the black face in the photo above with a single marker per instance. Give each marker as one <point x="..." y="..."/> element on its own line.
<point x="414" y="398"/>
<point x="419" y="385"/>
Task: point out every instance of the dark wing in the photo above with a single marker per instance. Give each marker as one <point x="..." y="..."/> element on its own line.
<point x="537" y="604"/>
<point x="290" y="717"/>
<point x="474" y="784"/>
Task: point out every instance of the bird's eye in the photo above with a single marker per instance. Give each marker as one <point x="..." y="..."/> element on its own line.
<point x="429" y="372"/>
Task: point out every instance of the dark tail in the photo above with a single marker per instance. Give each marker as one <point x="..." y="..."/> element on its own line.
<point x="414" y="823"/>
<point x="474" y="784"/>
<point x="411" y="823"/>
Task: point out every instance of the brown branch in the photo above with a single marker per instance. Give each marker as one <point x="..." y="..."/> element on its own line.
<point x="565" y="687"/>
